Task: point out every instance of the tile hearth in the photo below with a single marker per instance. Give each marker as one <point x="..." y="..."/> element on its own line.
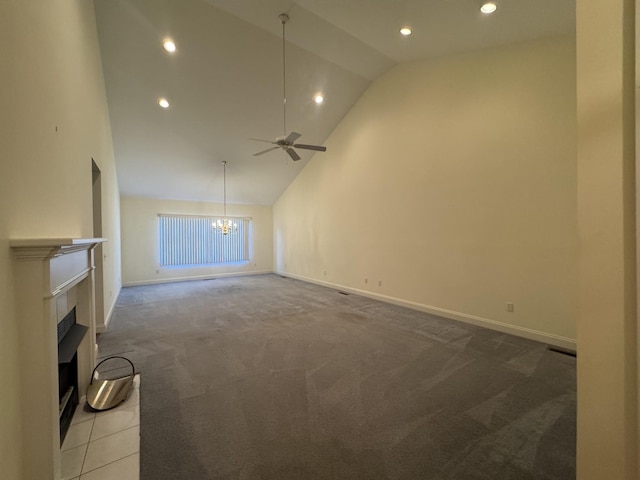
<point x="104" y="445"/>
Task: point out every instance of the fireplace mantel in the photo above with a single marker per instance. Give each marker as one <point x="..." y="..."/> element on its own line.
<point x="52" y="276"/>
<point x="41" y="248"/>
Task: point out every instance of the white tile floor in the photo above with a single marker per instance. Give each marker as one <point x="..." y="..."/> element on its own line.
<point x="104" y="445"/>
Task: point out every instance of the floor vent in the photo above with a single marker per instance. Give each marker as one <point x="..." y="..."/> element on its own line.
<point x="343" y="293"/>
<point x="563" y="351"/>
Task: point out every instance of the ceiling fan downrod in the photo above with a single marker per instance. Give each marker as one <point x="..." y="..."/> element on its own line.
<point x="284" y="18"/>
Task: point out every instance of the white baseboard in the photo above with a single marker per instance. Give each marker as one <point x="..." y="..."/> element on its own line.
<point x="532" y="334"/>
<point x="193" y="277"/>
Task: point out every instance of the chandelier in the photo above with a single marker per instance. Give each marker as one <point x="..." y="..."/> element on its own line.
<point x="224" y="225"/>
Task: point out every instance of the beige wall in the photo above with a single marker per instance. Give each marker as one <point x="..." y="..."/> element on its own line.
<point x="453" y="182"/>
<point x="608" y="444"/>
<point x="10" y="413"/>
<point x="140" y="240"/>
<point x="54" y="119"/>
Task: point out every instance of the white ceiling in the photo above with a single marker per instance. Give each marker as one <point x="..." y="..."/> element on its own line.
<point x="224" y="81"/>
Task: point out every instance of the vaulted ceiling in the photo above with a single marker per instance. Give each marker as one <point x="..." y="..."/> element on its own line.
<point x="224" y="81"/>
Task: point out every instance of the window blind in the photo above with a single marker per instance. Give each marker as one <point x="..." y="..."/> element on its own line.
<point x="194" y="240"/>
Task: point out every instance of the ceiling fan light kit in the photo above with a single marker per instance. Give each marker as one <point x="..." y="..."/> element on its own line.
<point x="286" y="143"/>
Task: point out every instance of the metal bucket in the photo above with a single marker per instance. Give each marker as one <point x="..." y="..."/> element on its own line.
<point x="109" y="393"/>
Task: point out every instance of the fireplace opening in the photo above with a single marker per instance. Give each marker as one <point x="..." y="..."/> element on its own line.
<point x="70" y="334"/>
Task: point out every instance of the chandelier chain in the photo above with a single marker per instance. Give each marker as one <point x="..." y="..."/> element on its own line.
<point x="224" y="188"/>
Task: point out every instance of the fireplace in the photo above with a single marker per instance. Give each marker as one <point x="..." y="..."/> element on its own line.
<point x="54" y="285"/>
<point x="70" y="335"/>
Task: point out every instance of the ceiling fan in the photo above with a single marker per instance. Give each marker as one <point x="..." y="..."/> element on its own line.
<point x="286" y="143"/>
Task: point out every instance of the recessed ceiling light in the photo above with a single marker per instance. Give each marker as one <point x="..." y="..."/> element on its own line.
<point x="488" y="7"/>
<point x="163" y="102"/>
<point x="169" y="46"/>
<point x="318" y="99"/>
<point x="406" y="31"/>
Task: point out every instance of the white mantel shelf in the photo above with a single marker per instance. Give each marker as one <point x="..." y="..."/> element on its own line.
<point x="40" y="248"/>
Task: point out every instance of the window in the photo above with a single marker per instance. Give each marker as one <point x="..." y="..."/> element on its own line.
<point x="194" y="240"/>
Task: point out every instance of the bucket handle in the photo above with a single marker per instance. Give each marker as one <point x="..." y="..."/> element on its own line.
<point x="133" y="369"/>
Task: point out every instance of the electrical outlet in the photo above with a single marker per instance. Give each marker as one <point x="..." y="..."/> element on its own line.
<point x="325" y="273"/>
<point x="379" y="283"/>
<point x="157" y="271"/>
<point x="366" y="280"/>
<point x="509" y="307"/>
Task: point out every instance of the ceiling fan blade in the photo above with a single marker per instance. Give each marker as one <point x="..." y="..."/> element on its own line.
<point x="265" y="151"/>
<point x="292" y="138"/>
<point x="292" y="153"/>
<point x="317" y="148"/>
<point x="261" y="140"/>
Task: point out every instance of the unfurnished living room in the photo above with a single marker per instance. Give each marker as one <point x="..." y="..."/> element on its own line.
<point x="390" y="239"/>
